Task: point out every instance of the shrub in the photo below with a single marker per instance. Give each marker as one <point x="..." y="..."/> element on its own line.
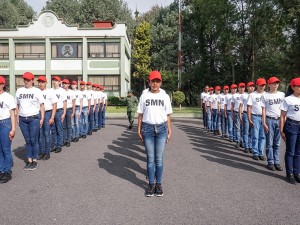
<point x="115" y="101"/>
<point x="178" y="97"/>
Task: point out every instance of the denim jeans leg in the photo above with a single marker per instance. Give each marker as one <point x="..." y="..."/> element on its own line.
<point x="258" y="137"/>
<point x="24" y="126"/>
<point x="100" y="116"/>
<point x="67" y="126"/>
<point x="214" y="119"/>
<point x="58" y="130"/>
<point x="209" y="119"/>
<point x="91" y="119"/>
<point x="149" y="138"/>
<point x="245" y="130"/>
<point x="261" y="139"/>
<point x="44" y="140"/>
<point x="229" y="124"/>
<point x="237" y="127"/>
<point x="103" y="116"/>
<point x="223" y="123"/>
<point x="269" y="141"/>
<point x="84" y="123"/>
<point x="5" y="146"/>
<point x="276" y="142"/>
<point x="96" y="117"/>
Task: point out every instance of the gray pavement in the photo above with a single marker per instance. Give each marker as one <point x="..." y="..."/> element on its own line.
<point x="101" y="180"/>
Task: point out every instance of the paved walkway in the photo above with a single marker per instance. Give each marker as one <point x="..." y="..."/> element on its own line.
<point x="101" y="180"/>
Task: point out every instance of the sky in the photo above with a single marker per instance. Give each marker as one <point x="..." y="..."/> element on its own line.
<point x="141" y="5"/>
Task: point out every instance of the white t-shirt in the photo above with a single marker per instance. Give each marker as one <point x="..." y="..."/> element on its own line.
<point x="148" y="90"/>
<point x="291" y="105"/>
<point x="155" y="107"/>
<point x="78" y="97"/>
<point x="93" y="96"/>
<point x="254" y="100"/>
<point x="49" y="98"/>
<point x="236" y="100"/>
<point x="203" y="96"/>
<point x="104" y="97"/>
<point x="207" y="100"/>
<point x="70" y="97"/>
<point x="61" y="95"/>
<point x="86" y="97"/>
<point x="100" y="96"/>
<point x="228" y="98"/>
<point x="29" y="101"/>
<point x="221" y="99"/>
<point x="244" y="99"/>
<point x="272" y="102"/>
<point x="214" y="101"/>
<point x="7" y="103"/>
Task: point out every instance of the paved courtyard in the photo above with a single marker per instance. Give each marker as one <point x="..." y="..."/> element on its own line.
<point x="101" y="180"/>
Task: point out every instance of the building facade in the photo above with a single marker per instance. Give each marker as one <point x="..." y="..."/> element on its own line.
<point x="50" y="47"/>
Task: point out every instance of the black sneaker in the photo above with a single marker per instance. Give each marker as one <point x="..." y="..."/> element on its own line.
<point x="58" y="150"/>
<point x="77" y="139"/>
<point x="53" y="149"/>
<point x="83" y="136"/>
<point x="297" y="177"/>
<point x="6" y="177"/>
<point x="41" y="156"/>
<point x="255" y="157"/>
<point x="33" y="166"/>
<point x="237" y="145"/>
<point x="241" y="145"/>
<point x="246" y="150"/>
<point x="278" y="167"/>
<point x="26" y="167"/>
<point x="1" y="175"/>
<point x="47" y="156"/>
<point x="150" y="191"/>
<point x="68" y="144"/>
<point x="271" y="167"/>
<point x="74" y="140"/>
<point x="290" y="179"/>
<point x="130" y="127"/>
<point x="158" y="190"/>
<point x="262" y="158"/>
<point x="250" y="150"/>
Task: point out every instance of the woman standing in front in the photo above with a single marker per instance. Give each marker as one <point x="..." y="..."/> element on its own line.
<point x="154" y="130"/>
<point x="30" y="109"/>
<point x="7" y="131"/>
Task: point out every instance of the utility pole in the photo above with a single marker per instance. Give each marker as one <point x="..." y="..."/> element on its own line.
<point x="179" y="45"/>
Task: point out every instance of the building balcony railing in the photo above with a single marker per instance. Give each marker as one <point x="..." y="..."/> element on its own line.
<point x="30" y="55"/>
<point x="104" y="55"/>
<point x="4" y="56"/>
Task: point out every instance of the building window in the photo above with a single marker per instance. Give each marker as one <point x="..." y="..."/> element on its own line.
<point x="111" y="83"/>
<point x="4" y="51"/>
<point x="30" y="51"/>
<point x="66" y="50"/>
<point x="104" y="50"/>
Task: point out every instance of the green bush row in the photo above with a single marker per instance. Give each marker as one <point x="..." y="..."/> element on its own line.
<point x="115" y="101"/>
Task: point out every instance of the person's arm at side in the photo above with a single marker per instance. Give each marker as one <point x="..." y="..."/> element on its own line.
<point x="73" y="107"/>
<point x="54" y="107"/>
<point x="241" y="112"/>
<point x="80" y="107"/>
<point x="42" y="110"/>
<point x="13" y="124"/>
<point x="282" y="121"/>
<point x="89" y="106"/>
<point x="266" y="128"/>
<point x="249" y="107"/>
<point x="140" y="119"/>
<point x="65" y="111"/>
<point x="169" y="128"/>
<point x="17" y="114"/>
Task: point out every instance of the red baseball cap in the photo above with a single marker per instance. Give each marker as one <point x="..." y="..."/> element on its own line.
<point x="273" y="80"/>
<point x="154" y="75"/>
<point x="101" y="87"/>
<point x="233" y="86"/>
<point x="217" y="88"/>
<point x="260" y="81"/>
<point x="28" y="76"/>
<point x="225" y="87"/>
<point x="94" y="85"/>
<point x="65" y="81"/>
<point x="250" y="84"/>
<point x="241" y="85"/>
<point x="89" y="83"/>
<point x="295" y="82"/>
<point x="82" y="83"/>
<point x="74" y="82"/>
<point x="2" y="80"/>
<point x="56" y="78"/>
<point x="211" y="89"/>
<point x="42" y="78"/>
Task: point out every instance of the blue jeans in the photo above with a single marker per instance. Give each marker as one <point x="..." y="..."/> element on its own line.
<point x="57" y="130"/>
<point x="44" y="140"/>
<point x="68" y="126"/>
<point x="84" y="122"/>
<point x="258" y="136"/>
<point x="103" y="117"/>
<point x="224" y="122"/>
<point x="91" y="119"/>
<point x="230" y="125"/>
<point x="216" y="120"/>
<point x="30" y="127"/>
<point x="247" y="136"/>
<point x="209" y="119"/>
<point x="237" y="127"/>
<point x="155" y="137"/>
<point x="100" y="116"/>
<point x="96" y="117"/>
<point x="273" y="141"/>
<point x="292" y="154"/>
<point x="204" y="115"/>
<point x="5" y="146"/>
<point x="75" y="123"/>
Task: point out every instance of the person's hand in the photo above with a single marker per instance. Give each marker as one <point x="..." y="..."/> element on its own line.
<point x="141" y="137"/>
<point x="251" y="123"/>
<point x="78" y="115"/>
<point x="11" y="135"/>
<point x="169" y="137"/>
<point x="72" y="115"/>
<point x="283" y="135"/>
<point x="51" y="121"/>
<point x="41" y="123"/>
<point x="62" y="117"/>
<point x="266" y="128"/>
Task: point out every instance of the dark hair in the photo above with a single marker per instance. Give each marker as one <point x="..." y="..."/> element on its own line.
<point x="289" y="92"/>
<point x="5" y="88"/>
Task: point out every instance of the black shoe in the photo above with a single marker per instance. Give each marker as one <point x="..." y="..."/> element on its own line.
<point x="278" y="167"/>
<point x="297" y="177"/>
<point x="41" y="156"/>
<point x="255" y="157"/>
<point x="290" y="179"/>
<point x="77" y="139"/>
<point x="218" y="132"/>
<point x="246" y="150"/>
<point x="271" y="167"/>
<point x="150" y="191"/>
<point x="250" y="150"/>
<point x="26" y="167"/>
<point x="130" y="127"/>
<point x="5" y="178"/>
<point x="90" y="133"/>
<point x="47" y="156"/>
<point x="33" y="166"/>
<point x="237" y="145"/>
<point x="158" y="190"/>
<point x="68" y="144"/>
<point x="95" y="130"/>
<point x="103" y="126"/>
<point x="83" y="136"/>
<point x="1" y="175"/>
<point x="262" y="158"/>
<point x="58" y="150"/>
<point x="53" y="149"/>
<point x="241" y="145"/>
<point x="73" y="140"/>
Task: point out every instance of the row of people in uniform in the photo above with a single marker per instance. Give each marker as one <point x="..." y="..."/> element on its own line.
<point x="63" y="113"/>
<point x="256" y="119"/>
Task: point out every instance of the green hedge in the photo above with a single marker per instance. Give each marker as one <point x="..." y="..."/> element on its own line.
<point x="115" y="101"/>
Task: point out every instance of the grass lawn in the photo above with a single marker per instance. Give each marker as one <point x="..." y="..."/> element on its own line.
<point x="123" y="109"/>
